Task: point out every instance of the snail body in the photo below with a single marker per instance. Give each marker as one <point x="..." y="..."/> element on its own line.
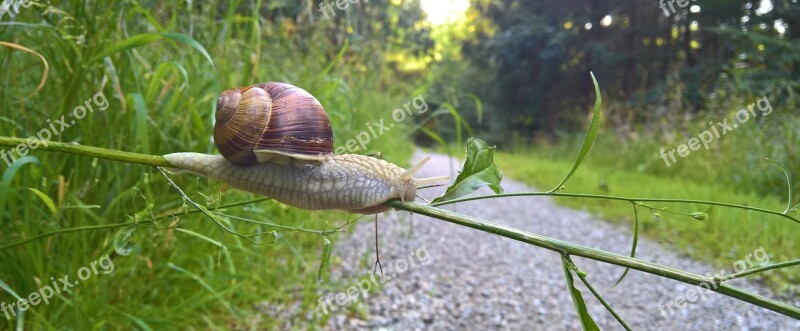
<point x="276" y="140"/>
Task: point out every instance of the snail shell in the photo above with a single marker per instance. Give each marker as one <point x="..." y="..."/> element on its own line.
<point x="259" y="122"/>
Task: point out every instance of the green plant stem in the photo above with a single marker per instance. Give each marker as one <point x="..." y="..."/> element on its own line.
<point x="62" y="231"/>
<point x="567" y="248"/>
<point x="96" y="152"/>
<point x="611" y="197"/>
<point x="124" y="224"/>
<point x="173" y="215"/>
<point x="761" y="269"/>
<point x="555" y="245"/>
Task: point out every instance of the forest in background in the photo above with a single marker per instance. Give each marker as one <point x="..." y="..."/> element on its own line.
<point x="665" y="75"/>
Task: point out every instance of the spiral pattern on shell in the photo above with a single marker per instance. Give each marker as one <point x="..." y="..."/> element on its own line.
<point x="271" y="119"/>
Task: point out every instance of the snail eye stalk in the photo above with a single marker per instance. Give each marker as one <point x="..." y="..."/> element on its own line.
<point x="409" y="174"/>
<point x="420" y="182"/>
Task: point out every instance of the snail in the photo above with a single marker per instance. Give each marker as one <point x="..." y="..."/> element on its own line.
<point x="276" y="140"/>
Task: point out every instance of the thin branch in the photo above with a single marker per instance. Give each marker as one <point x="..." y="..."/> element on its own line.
<point x="563" y="247"/>
<point x="96" y="152"/>
<point x="760" y="269"/>
<point x="202" y="209"/>
<point x="75" y="229"/>
<point x="283" y="227"/>
<point x="619" y="198"/>
<point x="120" y="225"/>
<point x="159" y="161"/>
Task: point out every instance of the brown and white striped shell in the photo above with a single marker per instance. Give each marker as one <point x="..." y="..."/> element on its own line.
<point x="262" y="121"/>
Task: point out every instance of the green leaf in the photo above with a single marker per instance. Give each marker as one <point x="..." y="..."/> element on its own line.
<point x="433" y="135"/>
<point x="123" y="243"/>
<point x="591" y="136"/>
<point x="46" y="199"/>
<point x="132" y="42"/>
<point x="327" y="248"/>
<point x="20" y="313"/>
<point x="479" y="170"/>
<point x="580" y="305"/>
<point x="336" y="59"/>
<point x="8" y="290"/>
<point x="458" y="120"/>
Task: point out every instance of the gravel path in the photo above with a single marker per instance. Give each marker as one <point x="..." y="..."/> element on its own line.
<point x="458" y="278"/>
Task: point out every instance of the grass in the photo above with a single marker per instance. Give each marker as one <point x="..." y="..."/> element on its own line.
<point x="161" y="90"/>
<point x="726" y="236"/>
<point x="626" y="161"/>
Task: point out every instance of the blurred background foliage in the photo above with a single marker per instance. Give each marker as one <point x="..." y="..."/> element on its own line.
<point x="663" y="77"/>
<point x="514" y="73"/>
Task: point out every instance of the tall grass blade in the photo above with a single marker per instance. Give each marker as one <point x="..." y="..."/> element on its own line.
<point x="46" y="70"/>
<point x="20" y="313"/>
<point x="205" y="285"/>
<point x="140" y="129"/>
<point x="147" y="38"/>
<point x="336" y="59"/>
<point x="138" y="322"/>
<point x="478" y="107"/>
<point x="8" y="176"/>
<point x="46" y="199"/>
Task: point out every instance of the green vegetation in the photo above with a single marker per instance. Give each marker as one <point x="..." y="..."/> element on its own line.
<point x="725" y="236"/>
<point x="161" y="66"/>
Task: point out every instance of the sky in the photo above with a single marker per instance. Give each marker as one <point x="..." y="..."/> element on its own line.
<point x="442" y="11"/>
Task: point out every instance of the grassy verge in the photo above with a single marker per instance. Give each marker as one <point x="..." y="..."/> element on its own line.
<point x="160" y="71"/>
<point x="726" y="236"/>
